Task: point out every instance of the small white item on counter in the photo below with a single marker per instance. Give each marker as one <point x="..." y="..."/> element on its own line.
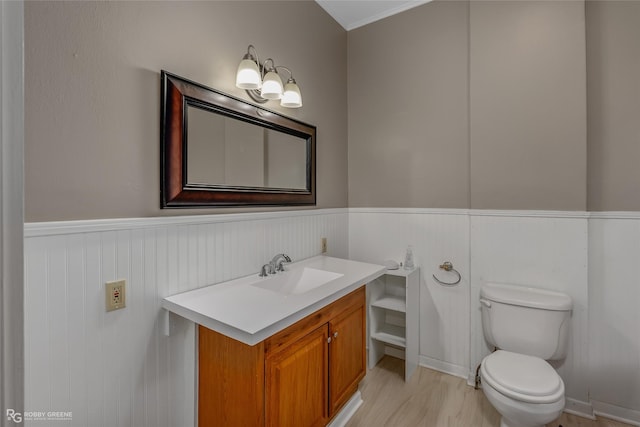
<point x="391" y="264"/>
<point x="408" y="259"/>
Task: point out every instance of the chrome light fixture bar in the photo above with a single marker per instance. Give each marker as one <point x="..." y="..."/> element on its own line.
<point x="263" y="82"/>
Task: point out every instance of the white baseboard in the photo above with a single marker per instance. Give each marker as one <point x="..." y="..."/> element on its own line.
<point x="347" y="411"/>
<point x="579" y="408"/>
<point x="617" y="413"/>
<point x="572" y="406"/>
<point x="446" y="367"/>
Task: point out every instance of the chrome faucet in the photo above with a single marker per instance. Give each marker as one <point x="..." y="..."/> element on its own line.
<point x="264" y="270"/>
<point x="277" y="261"/>
<point x="275" y="265"/>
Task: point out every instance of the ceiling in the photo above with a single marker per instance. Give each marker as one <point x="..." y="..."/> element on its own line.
<point x="356" y="13"/>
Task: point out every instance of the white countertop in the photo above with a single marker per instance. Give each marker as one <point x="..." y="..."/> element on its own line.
<point x="251" y="314"/>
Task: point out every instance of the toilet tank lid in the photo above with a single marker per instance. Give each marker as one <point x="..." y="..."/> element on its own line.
<point x="526" y="296"/>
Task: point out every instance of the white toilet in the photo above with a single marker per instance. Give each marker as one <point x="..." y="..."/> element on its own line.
<point x="528" y="326"/>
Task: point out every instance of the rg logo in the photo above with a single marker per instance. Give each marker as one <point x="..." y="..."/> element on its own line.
<point x="14" y="416"/>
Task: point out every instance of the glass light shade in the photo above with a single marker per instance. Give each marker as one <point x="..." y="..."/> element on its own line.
<point x="248" y="75"/>
<point x="291" y="98"/>
<point x="271" y="86"/>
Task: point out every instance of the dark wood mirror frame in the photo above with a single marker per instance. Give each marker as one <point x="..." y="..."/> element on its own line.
<point x="178" y="93"/>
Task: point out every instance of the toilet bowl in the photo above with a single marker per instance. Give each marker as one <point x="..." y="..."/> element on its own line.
<point x="525" y="390"/>
<point x="529" y="326"/>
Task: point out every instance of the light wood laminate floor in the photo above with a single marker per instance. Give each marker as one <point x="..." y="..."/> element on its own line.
<point x="433" y="399"/>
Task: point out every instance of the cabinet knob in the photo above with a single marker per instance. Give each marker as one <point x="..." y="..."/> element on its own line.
<point x="335" y="334"/>
<point x="329" y="340"/>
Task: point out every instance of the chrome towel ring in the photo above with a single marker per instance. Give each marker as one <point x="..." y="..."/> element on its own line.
<point x="447" y="266"/>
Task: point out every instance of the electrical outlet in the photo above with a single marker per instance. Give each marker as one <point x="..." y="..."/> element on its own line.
<point x="324" y="245"/>
<point x="115" y="295"/>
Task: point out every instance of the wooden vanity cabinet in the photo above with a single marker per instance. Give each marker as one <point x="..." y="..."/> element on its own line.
<point x="297" y="386"/>
<point x="347" y="356"/>
<point x="301" y="376"/>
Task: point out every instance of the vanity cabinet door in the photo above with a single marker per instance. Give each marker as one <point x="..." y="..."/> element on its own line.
<point x="230" y="381"/>
<point x="347" y="355"/>
<point x="298" y="377"/>
<point x="296" y="382"/>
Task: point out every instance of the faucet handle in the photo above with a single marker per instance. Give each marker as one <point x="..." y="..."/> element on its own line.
<point x="265" y="270"/>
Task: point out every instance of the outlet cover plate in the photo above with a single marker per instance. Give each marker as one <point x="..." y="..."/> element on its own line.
<point x="115" y="295"/>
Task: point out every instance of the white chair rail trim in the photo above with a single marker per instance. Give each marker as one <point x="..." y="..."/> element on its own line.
<point x="35" y="229"/>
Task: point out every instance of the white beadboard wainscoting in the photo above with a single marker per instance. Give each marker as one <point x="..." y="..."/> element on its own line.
<point x="117" y="368"/>
<point x="436" y="236"/>
<point x="614" y="314"/>
<point x="546" y="250"/>
<point x="595" y="258"/>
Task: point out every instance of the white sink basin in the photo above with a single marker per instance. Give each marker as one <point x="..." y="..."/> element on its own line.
<point x="297" y="281"/>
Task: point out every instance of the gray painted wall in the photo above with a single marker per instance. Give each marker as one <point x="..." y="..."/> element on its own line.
<point x="408" y="109"/>
<point x="528" y="105"/>
<point x="450" y="105"/>
<point x="613" y="93"/>
<point x="477" y="106"/>
<point x="92" y="98"/>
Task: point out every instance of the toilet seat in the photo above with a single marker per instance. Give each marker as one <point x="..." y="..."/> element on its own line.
<point x="522" y="377"/>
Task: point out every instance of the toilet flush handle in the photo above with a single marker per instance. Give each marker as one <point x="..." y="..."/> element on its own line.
<point x="485" y="302"/>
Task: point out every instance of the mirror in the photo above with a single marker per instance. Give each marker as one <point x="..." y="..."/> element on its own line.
<point x="217" y="150"/>
<point x="226" y="151"/>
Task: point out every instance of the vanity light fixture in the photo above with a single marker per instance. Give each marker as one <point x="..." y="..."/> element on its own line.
<point x="262" y="81"/>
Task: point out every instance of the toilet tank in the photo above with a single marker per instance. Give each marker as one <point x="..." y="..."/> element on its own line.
<point x="526" y="320"/>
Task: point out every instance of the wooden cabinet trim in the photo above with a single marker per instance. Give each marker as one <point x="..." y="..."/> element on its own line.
<point x="314" y="320"/>
<point x="346" y="368"/>
<point x="232" y="376"/>
<point x="302" y="370"/>
<point x="230" y="381"/>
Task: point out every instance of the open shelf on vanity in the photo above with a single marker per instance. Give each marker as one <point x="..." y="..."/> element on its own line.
<point x="393" y="317"/>
<point x="391" y="302"/>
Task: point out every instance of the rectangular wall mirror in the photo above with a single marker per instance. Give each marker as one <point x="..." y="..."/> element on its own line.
<point x="217" y="150"/>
